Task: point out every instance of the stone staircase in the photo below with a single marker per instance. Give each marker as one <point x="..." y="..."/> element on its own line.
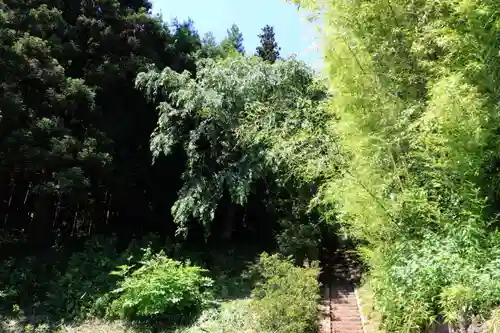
<point x="339" y="308"/>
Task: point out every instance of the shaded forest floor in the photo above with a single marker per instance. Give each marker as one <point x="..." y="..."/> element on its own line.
<point x="56" y="292"/>
<point x="53" y="292"/>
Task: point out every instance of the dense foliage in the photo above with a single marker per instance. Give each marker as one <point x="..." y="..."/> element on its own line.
<point x="70" y="169"/>
<point x="90" y="93"/>
<point x="67" y="169"/>
<point x="286" y="297"/>
<point x="229" y="122"/>
<point x="401" y="153"/>
<point x="416" y="94"/>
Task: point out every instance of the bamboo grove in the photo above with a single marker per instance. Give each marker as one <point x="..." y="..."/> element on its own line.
<point x="415" y="86"/>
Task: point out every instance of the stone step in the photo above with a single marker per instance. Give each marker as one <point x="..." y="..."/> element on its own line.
<point x="339" y="310"/>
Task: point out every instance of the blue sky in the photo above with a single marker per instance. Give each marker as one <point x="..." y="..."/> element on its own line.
<point x="293" y="34"/>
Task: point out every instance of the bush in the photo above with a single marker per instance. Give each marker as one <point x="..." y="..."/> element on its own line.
<point x="286" y="297"/>
<point x="160" y="287"/>
<point x="82" y="288"/>
<point x="59" y="283"/>
<point x="433" y="279"/>
<point x="231" y="317"/>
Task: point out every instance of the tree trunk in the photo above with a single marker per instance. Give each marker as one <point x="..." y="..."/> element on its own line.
<point x="42" y="221"/>
<point x="229" y="222"/>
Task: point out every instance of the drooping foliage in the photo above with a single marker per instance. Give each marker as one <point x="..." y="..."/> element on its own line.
<point x="415" y="87"/>
<point x="229" y="121"/>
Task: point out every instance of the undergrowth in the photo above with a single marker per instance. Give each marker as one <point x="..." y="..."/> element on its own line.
<point x="286" y="297"/>
<point x="371" y="316"/>
<point x="146" y="289"/>
<point x="160" y="287"/>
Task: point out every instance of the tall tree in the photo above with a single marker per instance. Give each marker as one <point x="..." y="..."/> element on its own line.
<point x="66" y="77"/>
<point x="218" y="118"/>
<point x="46" y="133"/>
<point x="210" y="48"/>
<point x="268" y="48"/>
<point x="233" y="41"/>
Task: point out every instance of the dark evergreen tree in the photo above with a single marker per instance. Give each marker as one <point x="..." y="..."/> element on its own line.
<point x="74" y="134"/>
<point x="268" y="48"/>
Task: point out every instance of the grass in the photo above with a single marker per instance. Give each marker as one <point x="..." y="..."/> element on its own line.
<point x="372" y="318"/>
<point x="493" y="324"/>
<point x="233" y="316"/>
<point x="98" y="326"/>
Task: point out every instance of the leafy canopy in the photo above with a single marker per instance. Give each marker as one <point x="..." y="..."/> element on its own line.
<point x="218" y="120"/>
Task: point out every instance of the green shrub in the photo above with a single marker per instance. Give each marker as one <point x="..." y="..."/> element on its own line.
<point x="82" y="288"/>
<point x="160" y="287"/>
<point x="286" y="297"/>
<point x="231" y="317"/>
<point x="299" y="239"/>
<point x="61" y="284"/>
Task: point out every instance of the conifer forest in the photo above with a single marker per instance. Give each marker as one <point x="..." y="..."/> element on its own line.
<point x="154" y="179"/>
